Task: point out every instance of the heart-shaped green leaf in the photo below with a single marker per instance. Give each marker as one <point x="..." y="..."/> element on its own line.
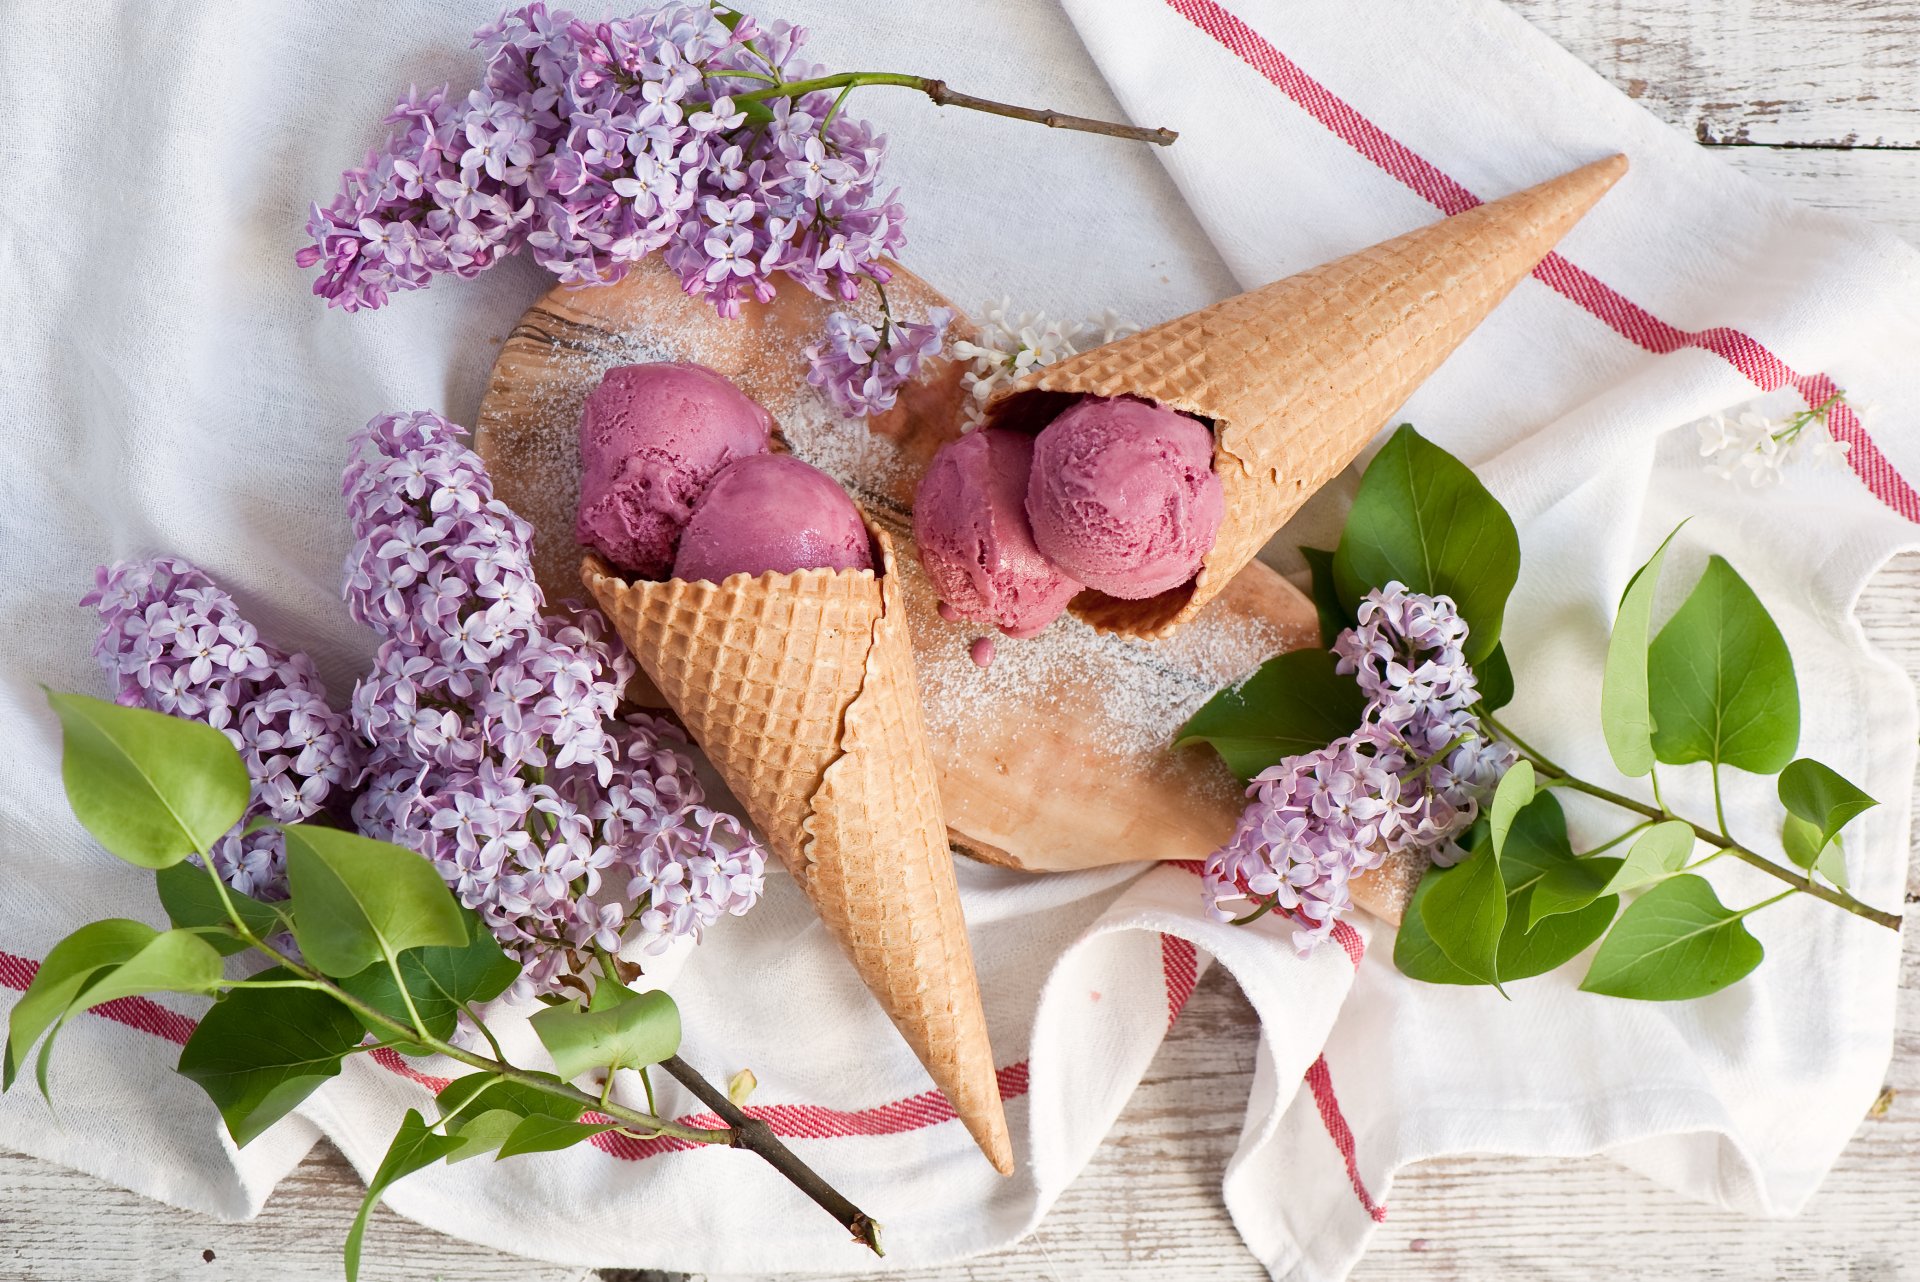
<point x="1626" y="717"/>
<point x="482" y="1133"/>
<point x="640" y="1029"/>
<point x="173" y="961"/>
<point x="548" y="1134"/>
<point x="1511" y="795"/>
<point x="70" y="966"/>
<point x="1333" y="615"/>
<point x="1464" y="911"/>
<point x="1494" y="675"/>
<point x="1536" y="848"/>
<point x="1422" y="518"/>
<point x="363" y="901"/>
<point x="1294" y="703"/>
<point x="1721" y="682"/>
<point x="1676" y="941"/>
<point x="192" y="903"/>
<point x="440" y="981"/>
<point x="1819" y="795"/>
<point x="414" y="1148"/>
<point x="150" y="788"/>
<point x="260" y="1051"/>
<point x="1570" y="887"/>
<point x="1801" y="840"/>
<point x="1659" y="851"/>
<point x="1832" y="864"/>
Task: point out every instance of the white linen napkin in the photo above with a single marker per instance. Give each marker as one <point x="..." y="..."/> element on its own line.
<point x="172" y="387"/>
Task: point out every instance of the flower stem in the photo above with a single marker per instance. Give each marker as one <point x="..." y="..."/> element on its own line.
<point x="944" y="97"/>
<point x="743" y="1132"/>
<point x="1792" y="876"/>
<point x="755" y="1135"/>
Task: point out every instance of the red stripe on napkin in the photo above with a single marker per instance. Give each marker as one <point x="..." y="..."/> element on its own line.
<point x="1182" y="966"/>
<point x="1619" y="313"/>
<point x="1320" y="1082"/>
<point x="142" y="1013"/>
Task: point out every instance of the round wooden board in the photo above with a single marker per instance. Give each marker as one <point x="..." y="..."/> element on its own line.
<point x="1058" y="756"/>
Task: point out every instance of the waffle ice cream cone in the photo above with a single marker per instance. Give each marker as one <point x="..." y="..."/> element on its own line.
<point x="1299" y="375"/>
<point x="800" y="688"/>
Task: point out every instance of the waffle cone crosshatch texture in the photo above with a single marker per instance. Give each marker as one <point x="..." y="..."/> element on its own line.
<point x="800" y="689"/>
<point x="1299" y="375"/>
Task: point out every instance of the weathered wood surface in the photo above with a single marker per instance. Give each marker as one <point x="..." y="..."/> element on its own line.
<point x="1780" y="86"/>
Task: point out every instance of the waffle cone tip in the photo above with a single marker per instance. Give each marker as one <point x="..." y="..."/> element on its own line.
<point x="1299" y="375"/>
<point x="801" y="690"/>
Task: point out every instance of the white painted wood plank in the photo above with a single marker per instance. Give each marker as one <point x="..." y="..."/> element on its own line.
<point x="1883" y="186"/>
<point x="1796" y="72"/>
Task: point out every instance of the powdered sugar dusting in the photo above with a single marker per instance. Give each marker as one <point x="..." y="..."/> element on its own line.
<point x="1124" y="699"/>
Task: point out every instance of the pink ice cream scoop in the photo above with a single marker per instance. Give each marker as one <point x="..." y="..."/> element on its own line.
<point x="772" y="512"/>
<point x="1123" y="495"/>
<point x="970" y="523"/>
<point x="651" y="438"/>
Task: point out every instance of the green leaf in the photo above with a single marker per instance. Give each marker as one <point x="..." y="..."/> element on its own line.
<point x="1556" y="941"/>
<point x="482" y="1133"/>
<point x="1495" y="677"/>
<point x="547" y="1134"/>
<point x="173" y="961"/>
<point x="1536" y="846"/>
<point x="1721" y="682"/>
<point x="1333" y="615"/>
<point x="69" y="967"/>
<point x="362" y="901"/>
<point x="150" y="788"/>
<point x="641" y="1029"/>
<point x="188" y="895"/>
<point x="520" y="1098"/>
<point x="1656" y="853"/>
<point x="1571" y="887"/>
<point x="440" y="980"/>
<point x="1626" y="717"/>
<point x="1414" y="953"/>
<point x="1832" y="864"/>
<point x="1423" y="518"/>
<point x="1675" y="942"/>
<point x="1294" y="703"/>
<point x="1801" y="840"/>
<point x="414" y="1148"/>
<point x="1465" y="912"/>
<point x="260" y="1051"/>
<point x="1511" y="795"/>
<point x="1819" y="795"/>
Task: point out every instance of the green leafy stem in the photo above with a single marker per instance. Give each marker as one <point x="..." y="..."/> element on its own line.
<point x="1715" y="685"/>
<point x="1799" y="879"/>
<point x="741" y="1131"/>
<point x="384" y="949"/>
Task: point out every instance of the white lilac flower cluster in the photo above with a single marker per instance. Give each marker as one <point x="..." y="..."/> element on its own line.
<point x="495" y="751"/>
<point x="594" y="145"/>
<point x="1011" y="343"/>
<point x="1412" y="775"/>
<point x="175" y="643"/>
<point x="1748" y="445"/>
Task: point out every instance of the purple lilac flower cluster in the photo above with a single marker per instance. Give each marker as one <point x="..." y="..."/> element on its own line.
<point x="594" y="145"/>
<point x="861" y="369"/>
<point x="1411" y="776"/>
<point x="495" y="748"/>
<point x="175" y="643"/>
